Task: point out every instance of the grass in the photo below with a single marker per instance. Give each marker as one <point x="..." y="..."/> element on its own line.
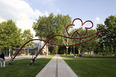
<point x="92" y="66"/>
<point x="20" y="68"/>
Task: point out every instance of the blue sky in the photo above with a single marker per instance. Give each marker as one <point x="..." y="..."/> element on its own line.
<point x="24" y="12"/>
<point x="85" y="9"/>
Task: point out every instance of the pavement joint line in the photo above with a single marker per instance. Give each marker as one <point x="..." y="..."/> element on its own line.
<point x="57" y="66"/>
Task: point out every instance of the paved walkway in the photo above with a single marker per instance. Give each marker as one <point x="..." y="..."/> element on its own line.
<point x="56" y="68"/>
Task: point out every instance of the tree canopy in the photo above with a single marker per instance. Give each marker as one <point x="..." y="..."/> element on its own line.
<point x="26" y="36"/>
<point x="88" y="46"/>
<point x="108" y="38"/>
<point x="11" y="36"/>
<point x="51" y="25"/>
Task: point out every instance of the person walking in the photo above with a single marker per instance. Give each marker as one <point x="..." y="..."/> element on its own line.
<point x="2" y="59"/>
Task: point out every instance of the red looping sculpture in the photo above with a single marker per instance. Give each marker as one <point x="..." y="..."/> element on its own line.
<point x="48" y="41"/>
<point x="82" y="23"/>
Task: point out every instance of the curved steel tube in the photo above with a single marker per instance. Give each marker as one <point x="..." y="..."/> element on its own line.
<point x="48" y="41"/>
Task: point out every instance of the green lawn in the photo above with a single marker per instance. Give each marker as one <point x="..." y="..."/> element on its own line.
<point x="96" y="66"/>
<point x="20" y="68"/>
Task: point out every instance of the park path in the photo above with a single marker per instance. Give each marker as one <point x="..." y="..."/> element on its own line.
<point x="56" y="68"/>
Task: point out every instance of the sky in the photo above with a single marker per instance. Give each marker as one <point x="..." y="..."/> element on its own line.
<point x="25" y="12"/>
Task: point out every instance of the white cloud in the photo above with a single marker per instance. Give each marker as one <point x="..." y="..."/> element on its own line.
<point x="77" y="24"/>
<point x="58" y="10"/>
<point x="46" y="13"/>
<point x="24" y="23"/>
<point x="21" y="12"/>
<point x="17" y="9"/>
<point x="97" y="19"/>
<point x="2" y="20"/>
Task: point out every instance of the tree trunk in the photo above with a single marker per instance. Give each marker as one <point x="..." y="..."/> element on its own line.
<point x="90" y="53"/>
<point x="79" y="51"/>
<point x="74" y="51"/>
<point x="9" y="52"/>
<point x="105" y="49"/>
<point x="47" y="49"/>
<point x="66" y="50"/>
<point x="115" y="51"/>
<point x="28" y="52"/>
<point x="110" y="50"/>
<point x="67" y="47"/>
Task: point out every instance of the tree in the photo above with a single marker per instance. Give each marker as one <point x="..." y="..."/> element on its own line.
<point x="102" y="40"/>
<point x="110" y="23"/>
<point x="9" y="35"/>
<point x="76" y="35"/>
<point x="51" y="25"/>
<point x="90" y="45"/>
<point x="109" y="37"/>
<point x="26" y="36"/>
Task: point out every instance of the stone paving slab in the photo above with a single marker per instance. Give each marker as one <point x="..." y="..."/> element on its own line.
<point x="56" y="68"/>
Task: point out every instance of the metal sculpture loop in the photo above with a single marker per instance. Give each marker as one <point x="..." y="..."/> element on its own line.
<point x="82" y="23"/>
<point x="48" y="41"/>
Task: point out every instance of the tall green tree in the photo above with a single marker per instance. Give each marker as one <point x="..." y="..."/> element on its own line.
<point x="109" y="37"/>
<point x="102" y="40"/>
<point x="110" y="23"/>
<point x="51" y="25"/>
<point x="10" y="35"/>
